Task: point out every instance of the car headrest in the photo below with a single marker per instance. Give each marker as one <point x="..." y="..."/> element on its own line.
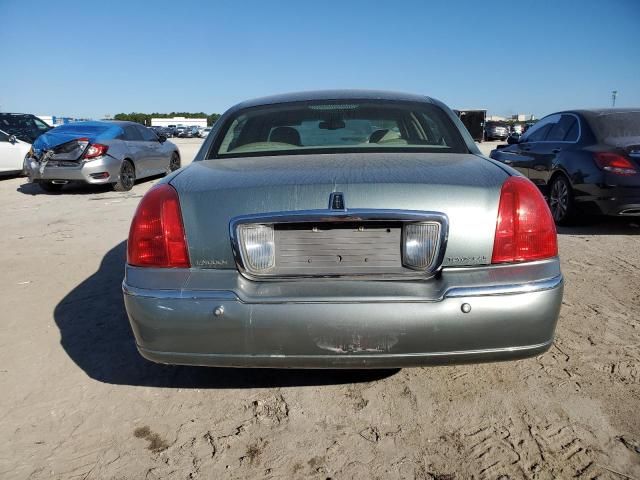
<point x="377" y="135"/>
<point x="285" y="135"/>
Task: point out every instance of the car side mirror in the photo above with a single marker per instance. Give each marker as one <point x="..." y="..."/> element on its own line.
<point x="162" y="138"/>
<point x="513" y="139"/>
<point x="12" y="139"/>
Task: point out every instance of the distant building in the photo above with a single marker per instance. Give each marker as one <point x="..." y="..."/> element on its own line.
<point x="495" y="118"/>
<point x="523" y="117"/>
<point x="165" y="122"/>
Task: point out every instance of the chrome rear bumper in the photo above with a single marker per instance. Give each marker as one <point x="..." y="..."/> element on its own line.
<point x="465" y="315"/>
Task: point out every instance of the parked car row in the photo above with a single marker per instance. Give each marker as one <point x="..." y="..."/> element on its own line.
<point x="335" y="206"/>
<point x="166" y="132"/>
<point x="188" y="132"/>
<point x="495" y="130"/>
<point x="181" y="131"/>
<point x="583" y="161"/>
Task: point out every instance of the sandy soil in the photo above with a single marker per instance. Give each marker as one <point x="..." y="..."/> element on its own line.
<point x="79" y="402"/>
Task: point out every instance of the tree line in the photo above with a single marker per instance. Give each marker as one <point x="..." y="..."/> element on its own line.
<point x="145" y="118"/>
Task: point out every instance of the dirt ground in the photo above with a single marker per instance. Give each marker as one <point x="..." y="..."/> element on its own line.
<point x="79" y="402"/>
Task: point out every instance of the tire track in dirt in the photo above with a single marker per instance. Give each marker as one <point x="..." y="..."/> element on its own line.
<point x="523" y="448"/>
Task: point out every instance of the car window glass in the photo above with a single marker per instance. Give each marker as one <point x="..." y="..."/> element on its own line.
<point x="572" y="134"/>
<point x="561" y="128"/>
<point x="539" y="131"/>
<point x="131" y="133"/>
<point x="147" y="134"/>
<point x="539" y="134"/>
<point x="613" y="126"/>
<point x="4" y="137"/>
<point x="25" y="127"/>
<point x="345" y="126"/>
<point x="40" y="125"/>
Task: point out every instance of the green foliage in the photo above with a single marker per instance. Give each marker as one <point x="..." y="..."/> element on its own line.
<point x="212" y="118"/>
<point x="145" y="118"/>
<point x="142" y="118"/>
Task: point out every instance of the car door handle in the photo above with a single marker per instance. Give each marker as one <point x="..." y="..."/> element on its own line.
<point x="555" y="150"/>
<point x="508" y="162"/>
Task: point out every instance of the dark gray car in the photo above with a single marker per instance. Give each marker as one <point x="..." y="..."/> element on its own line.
<point x="342" y="229"/>
<point x="496" y="131"/>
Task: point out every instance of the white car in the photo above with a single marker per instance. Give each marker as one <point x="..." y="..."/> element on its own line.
<point x="17" y="132"/>
<point x="205" y="131"/>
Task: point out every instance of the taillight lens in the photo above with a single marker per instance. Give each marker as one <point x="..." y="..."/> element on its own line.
<point x="156" y="237"/>
<point x="525" y="229"/>
<point x="95" y="150"/>
<point x="614" y="163"/>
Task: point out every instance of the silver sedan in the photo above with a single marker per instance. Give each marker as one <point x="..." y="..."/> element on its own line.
<point x="342" y="229"/>
<point x="115" y="153"/>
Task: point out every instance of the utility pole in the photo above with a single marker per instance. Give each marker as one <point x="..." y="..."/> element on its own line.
<point x="614" y="94"/>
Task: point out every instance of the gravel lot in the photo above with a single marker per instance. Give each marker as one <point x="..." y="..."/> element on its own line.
<point x="79" y="402"/>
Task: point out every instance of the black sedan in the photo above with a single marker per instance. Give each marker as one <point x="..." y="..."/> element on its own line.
<point x="584" y="161"/>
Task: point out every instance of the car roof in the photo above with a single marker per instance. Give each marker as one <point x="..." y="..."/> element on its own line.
<point x="121" y="123"/>
<point x="104" y="123"/>
<point x="597" y="112"/>
<point x="18" y="114"/>
<point x="334" y="95"/>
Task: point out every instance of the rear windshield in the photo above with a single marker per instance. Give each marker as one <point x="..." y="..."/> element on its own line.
<point x="25" y="127"/>
<point x="332" y="127"/>
<point x="608" y="126"/>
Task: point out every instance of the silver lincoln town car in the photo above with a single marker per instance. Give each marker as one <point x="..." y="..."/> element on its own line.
<point x="342" y="229"/>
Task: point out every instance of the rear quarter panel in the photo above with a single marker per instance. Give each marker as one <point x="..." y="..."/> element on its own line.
<point x="117" y="148"/>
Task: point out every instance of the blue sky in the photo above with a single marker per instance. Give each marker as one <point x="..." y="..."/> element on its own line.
<point x="84" y="58"/>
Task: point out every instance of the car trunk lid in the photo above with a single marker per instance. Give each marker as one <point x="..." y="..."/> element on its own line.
<point x="465" y="187"/>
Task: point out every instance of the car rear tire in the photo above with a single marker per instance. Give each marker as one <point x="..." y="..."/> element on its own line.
<point x="174" y="163"/>
<point x="561" y="201"/>
<point x="126" y="177"/>
<point x="51" y="187"/>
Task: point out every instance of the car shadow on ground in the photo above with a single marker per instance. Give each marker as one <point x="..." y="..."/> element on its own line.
<point x="603" y="226"/>
<point x="77" y="188"/>
<point x="9" y="176"/>
<point x="95" y="333"/>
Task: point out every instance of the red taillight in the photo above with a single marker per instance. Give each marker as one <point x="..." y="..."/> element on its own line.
<point x="525" y="229"/>
<point x="614" y="163"/>
<point x="156" y="237"/>
<point x="95" y="150"/>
